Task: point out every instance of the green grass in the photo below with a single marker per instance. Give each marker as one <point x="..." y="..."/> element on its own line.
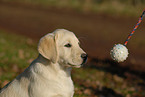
<point x="17" y="52"/>
<point x="112" y="7"/>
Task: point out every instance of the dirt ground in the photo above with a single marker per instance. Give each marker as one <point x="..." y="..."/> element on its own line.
<point x="97" y="32"/>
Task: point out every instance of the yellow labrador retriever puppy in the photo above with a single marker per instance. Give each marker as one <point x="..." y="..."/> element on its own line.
<point x="49" y="75"/>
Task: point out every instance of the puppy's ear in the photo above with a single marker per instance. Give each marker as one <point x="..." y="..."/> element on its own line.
<point x="47" y="47"/>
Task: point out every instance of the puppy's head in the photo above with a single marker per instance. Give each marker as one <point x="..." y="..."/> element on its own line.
<point x="62" y="46"/>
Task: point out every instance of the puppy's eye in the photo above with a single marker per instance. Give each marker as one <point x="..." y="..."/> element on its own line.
<point x="68" y="45"/>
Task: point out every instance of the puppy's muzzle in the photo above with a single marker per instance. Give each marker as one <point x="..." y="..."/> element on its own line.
<point x="84" y="56"/>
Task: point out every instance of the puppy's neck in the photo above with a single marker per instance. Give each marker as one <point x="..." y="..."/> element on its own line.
<point x="56" y="67"/>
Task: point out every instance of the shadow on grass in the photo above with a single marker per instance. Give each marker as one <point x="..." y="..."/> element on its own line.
<point x="113" y="67"/>
<point x="105" y="92"/>
<point x="95" y="90"/>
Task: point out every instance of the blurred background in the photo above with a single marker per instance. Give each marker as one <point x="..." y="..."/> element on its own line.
<point x="99" y="24"/>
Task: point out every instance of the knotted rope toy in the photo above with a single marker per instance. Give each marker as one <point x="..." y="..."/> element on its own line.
<point x="119" y="52"/>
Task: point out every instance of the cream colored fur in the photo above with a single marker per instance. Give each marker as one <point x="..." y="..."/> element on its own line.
<point x="49" y="75"/>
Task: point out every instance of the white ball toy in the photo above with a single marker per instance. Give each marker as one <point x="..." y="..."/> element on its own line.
<point x="119" y="53"/>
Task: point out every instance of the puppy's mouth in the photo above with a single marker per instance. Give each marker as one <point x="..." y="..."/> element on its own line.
<point x="76" y="66"/>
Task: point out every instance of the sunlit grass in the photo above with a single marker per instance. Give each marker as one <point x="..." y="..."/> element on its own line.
<point x="16" y="53"/>
<point x="112" y="7"/>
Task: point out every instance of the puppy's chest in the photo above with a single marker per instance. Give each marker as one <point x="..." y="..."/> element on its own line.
<point x="62" y="86"/>
<point x="65" y="85"/>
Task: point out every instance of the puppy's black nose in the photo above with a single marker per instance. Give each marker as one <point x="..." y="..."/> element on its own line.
<point x="84" y="56"/>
